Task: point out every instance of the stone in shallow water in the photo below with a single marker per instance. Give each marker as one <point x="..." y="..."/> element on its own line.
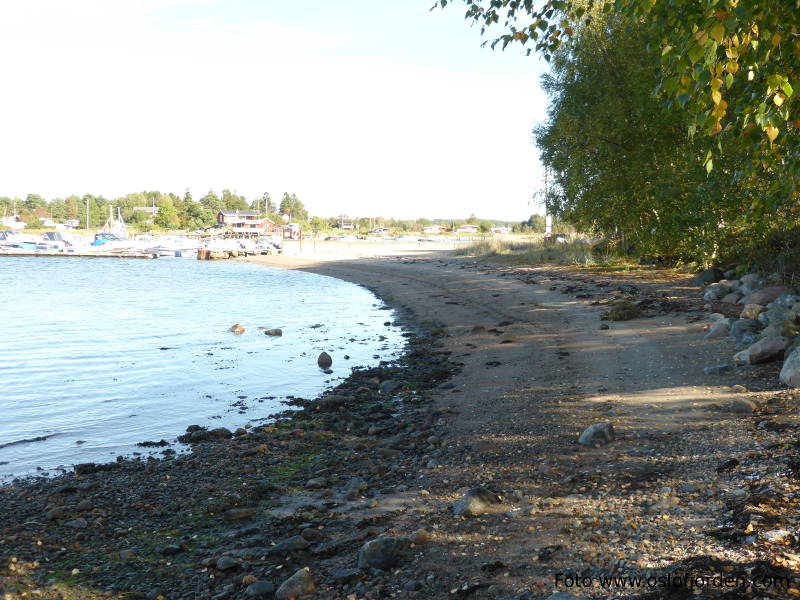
<point x="324" y="361"/>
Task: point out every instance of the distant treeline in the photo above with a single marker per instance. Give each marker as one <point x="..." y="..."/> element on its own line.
<point x="176" y="212"/>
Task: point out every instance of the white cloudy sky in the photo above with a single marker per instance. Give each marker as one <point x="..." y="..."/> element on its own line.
<point x="365" y="107"/>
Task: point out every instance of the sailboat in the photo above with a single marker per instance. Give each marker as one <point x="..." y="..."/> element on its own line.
<point x="114" y="229"/>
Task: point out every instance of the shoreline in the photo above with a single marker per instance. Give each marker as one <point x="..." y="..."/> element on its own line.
<point x="109" y="437"/>
<point x="300" y="436"/>
<point x="509" y="365"/>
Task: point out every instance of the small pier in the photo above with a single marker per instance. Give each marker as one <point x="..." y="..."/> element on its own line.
<point x="208" y="254"/>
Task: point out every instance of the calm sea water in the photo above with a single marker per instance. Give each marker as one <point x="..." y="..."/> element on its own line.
<point x="99" y="354"/>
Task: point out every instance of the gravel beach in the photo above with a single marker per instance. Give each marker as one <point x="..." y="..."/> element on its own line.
<point x="458" y="472"/>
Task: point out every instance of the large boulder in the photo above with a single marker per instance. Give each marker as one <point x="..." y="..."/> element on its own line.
<point x="732" y="298"/>
<point x="708" y="276"/>
<point x="790" y="373"/>
<point x="741" y="327"/>
<point x="776" y="314"/>
<point x="731" y="283"/>
<point x="719" y="329"/>
<point x="716" y="291"/>
<point x="785" y="329"/>
<point x="762" y="351"/>
<point x="749" y="283"/>
<point x="786" y="300"/>
<point x="764" y="296"/>
<point x="751" y="311"/>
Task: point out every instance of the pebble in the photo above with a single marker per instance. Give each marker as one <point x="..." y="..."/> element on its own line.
<point x="79" y="523"/>
<point x="84" y="505"/>
<point x="382" y="553"/>
<point x="226" y="562"/>
<point x="777" y="535"/>
<point x="741" y="406"/>
<point x="171" y="550"/>
<point x="598" y="434"/>
<point x="346" y="575"/>
<point x="299" y="585"/>
<point x="475" y="502"/>
<point x="317" y="483"/>
<point x="717" y="369"/>
<point x="59" y="512"/>
<point x="239" y="514"/>
<point x="260" y="589"/>
<point x="293" y="544"/>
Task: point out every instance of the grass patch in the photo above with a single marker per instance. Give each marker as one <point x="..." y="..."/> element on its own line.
<point x="536" y="251"/>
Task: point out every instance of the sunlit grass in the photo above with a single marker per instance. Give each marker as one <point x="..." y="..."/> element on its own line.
<point x="579" y="252"/>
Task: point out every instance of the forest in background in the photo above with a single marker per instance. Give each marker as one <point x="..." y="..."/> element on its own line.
<point x="184" y="213"/>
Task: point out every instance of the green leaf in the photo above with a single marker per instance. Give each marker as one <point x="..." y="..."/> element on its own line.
<point x="696" y="52"/>
<point x="787" y="89"/>
<point x="728" y="80"/>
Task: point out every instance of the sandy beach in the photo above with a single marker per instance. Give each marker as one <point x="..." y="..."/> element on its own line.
<point x="508" y="365"/>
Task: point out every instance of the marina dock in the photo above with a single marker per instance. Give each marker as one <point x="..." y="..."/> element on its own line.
<point x="40" y="254"/>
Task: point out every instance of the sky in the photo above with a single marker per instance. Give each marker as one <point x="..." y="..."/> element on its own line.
<point x="359" y="107"/>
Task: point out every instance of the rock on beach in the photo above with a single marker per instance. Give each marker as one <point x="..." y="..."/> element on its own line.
<point x="475" y="502"/>
<point x="300" y="585"/>
<point x="790" y="372"/>
<point x="762" y="351"/>
<point x="382" y="553"/>
<point x="598" y="434"/>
